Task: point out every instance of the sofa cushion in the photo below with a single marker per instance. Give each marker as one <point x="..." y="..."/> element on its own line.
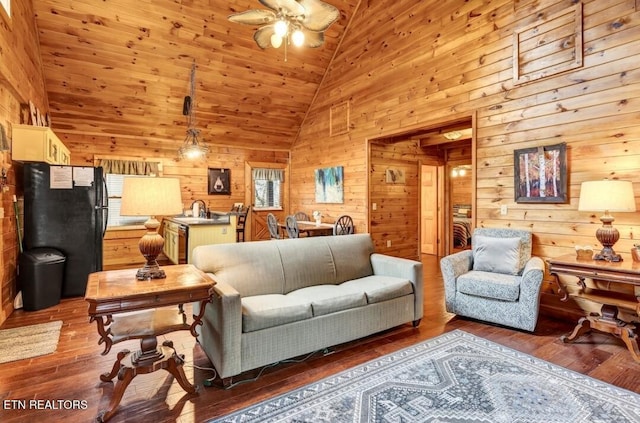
<point x="489" y="285"/>
<point x="236" y="265"/>
<point x="380" y="288"/>
<point x="305" y="262"/>
<point x="498" y="255"/>
<point x="326" y="299"/>
<point x="265" y="311"/>
<point x="351" y="255"/>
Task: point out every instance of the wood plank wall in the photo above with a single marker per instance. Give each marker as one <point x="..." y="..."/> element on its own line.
<point x="396" y="219"/>
<point x="21" y="81"/>
<point x="406" y="64"/>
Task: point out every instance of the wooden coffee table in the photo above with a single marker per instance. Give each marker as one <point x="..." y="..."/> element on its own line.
<point x="126" y="308"/>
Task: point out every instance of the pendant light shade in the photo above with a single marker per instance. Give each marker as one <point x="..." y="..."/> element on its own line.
<point x="192" y="148"/>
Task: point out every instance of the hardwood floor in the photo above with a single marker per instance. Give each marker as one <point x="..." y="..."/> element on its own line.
<point x="72" y="372"/>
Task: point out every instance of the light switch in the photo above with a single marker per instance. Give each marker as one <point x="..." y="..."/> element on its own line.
<point x="374" y="206"/>
<point x="503" y="210"/>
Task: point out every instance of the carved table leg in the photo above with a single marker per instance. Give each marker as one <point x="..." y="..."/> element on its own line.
<point x="630" y="338"/>
<point x="583" y="327"/>
<point x="174" y="366"/>
<point x="106" y="377"/>
<point x="125" y="376"/>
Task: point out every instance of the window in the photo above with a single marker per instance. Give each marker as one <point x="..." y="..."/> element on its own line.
<point x="114" y="189"/>
<point x="266" y="188"/>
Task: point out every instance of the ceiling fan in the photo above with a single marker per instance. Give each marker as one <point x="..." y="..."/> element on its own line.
<point x="301" y="22"/>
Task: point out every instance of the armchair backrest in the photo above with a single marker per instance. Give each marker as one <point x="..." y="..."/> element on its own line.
<point x="525" y="237"/>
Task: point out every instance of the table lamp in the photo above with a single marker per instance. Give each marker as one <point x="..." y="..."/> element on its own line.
<point x="151" y="197"/>
<point x="607" y="195"/>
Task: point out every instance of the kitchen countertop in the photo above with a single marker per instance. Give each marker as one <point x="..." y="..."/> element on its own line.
<point x="220" y="218"/>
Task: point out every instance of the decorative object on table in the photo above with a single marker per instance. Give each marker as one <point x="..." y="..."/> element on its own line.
<point x="329" y="185"/>
<point x="317" y="216"/>
<point x="219" y="181"/>
<point x="191" y="147"/>
<point x="635" y="252"/>
<point x="301" y="22"/>
<point x="584" y="252"/>
<point x="605" y="196"/>
<point x="540" y="174"/>
<point x="151" y="197"/>
<point x="394" y="176"/>
<point x="29" y="341"/>
<point x="453" y="377"/>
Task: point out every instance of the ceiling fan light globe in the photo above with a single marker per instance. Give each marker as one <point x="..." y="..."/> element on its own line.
<point x="280" y="28"/>
<point x="297" y="38"/>
<point x="276" y="40"/>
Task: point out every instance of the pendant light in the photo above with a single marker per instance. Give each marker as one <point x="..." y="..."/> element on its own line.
<point x="191" y="148"/>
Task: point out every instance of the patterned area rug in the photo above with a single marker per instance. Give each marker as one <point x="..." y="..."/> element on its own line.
<point x="456" y="377"/>
<point x="29" y="341"/>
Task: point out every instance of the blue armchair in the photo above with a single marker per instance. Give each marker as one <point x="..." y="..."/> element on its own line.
<point x="497" y="281"/>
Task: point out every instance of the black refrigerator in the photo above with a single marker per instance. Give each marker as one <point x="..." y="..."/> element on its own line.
<point x="66" y="208"/>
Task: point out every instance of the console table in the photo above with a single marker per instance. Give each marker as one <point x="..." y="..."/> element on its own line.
<point x="126" y="308"/>
<point x="624" y="272"/>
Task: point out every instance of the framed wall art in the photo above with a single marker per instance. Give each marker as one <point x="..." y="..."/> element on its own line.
<point x="219" y="181"/>
<point x="540" y="174"/>
<point x="329" y="185"/>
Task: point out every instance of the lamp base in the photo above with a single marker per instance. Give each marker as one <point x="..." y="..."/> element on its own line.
<point x="607" y="254"/>
<point x="151" y="246"/>
<point x="149" y="272"/>
<point x="608" y="236"/>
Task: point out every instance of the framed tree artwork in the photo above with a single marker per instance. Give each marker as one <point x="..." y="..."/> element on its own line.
<point x="219" y="181"/>
<point x="540" y="174"/>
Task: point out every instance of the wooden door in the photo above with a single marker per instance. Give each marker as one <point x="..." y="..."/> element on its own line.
<point x="429" y="210"/>
<point x="256" y="225"/>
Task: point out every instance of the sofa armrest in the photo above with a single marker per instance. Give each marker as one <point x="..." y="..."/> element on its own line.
<point x="453" y="266"/>
<point x="402" y="268"/>
<point x="221" y="331"/>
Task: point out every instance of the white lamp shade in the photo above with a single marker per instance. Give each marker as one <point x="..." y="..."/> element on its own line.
<point x="151" y="197"/>
<point x="606" y="195"/>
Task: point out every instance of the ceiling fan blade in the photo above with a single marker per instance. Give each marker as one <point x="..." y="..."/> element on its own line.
<point x="262" y="36"/>
<point x="253" y="17"/>
<point x="318" y="15"/>
<point x="313" y="39"/>
<point x="292" y="7"/>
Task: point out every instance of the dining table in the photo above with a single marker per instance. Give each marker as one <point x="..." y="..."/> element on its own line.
<point x="310" y="228"/>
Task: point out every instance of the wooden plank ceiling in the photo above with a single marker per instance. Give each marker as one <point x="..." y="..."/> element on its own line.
<point x="122" y="67"/>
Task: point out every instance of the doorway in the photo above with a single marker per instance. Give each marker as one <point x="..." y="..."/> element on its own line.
<point x="453" y="192"/>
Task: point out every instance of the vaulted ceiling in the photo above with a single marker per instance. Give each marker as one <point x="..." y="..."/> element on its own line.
<point x="122" y="68"/>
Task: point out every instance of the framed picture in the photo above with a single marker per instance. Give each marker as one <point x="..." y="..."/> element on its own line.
<point x="540" y="174"/>
<point x="394" y="176"/>
<point x="219" y="181"/>
<point x="329" y="185"/>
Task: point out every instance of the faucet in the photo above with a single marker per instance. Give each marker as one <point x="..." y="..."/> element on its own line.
<point x="201" y="211"/>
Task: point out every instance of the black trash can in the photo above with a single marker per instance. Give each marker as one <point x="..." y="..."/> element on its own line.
<point x="41" y="272"/>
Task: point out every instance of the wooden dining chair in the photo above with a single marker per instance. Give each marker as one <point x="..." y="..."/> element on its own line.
<point x="291" y="224"/>
<point x="301" y="216"/>
<point x="343" y="226"/>
<point x="272" y="225"/>
<point x="240" y="225"/>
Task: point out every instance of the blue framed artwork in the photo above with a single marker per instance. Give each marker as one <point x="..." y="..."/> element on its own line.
<point x="329" y="185"/>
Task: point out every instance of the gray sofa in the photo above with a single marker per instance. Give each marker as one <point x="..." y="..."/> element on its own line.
<point x="280" y="299"/>
<point x="498" y="281"/>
